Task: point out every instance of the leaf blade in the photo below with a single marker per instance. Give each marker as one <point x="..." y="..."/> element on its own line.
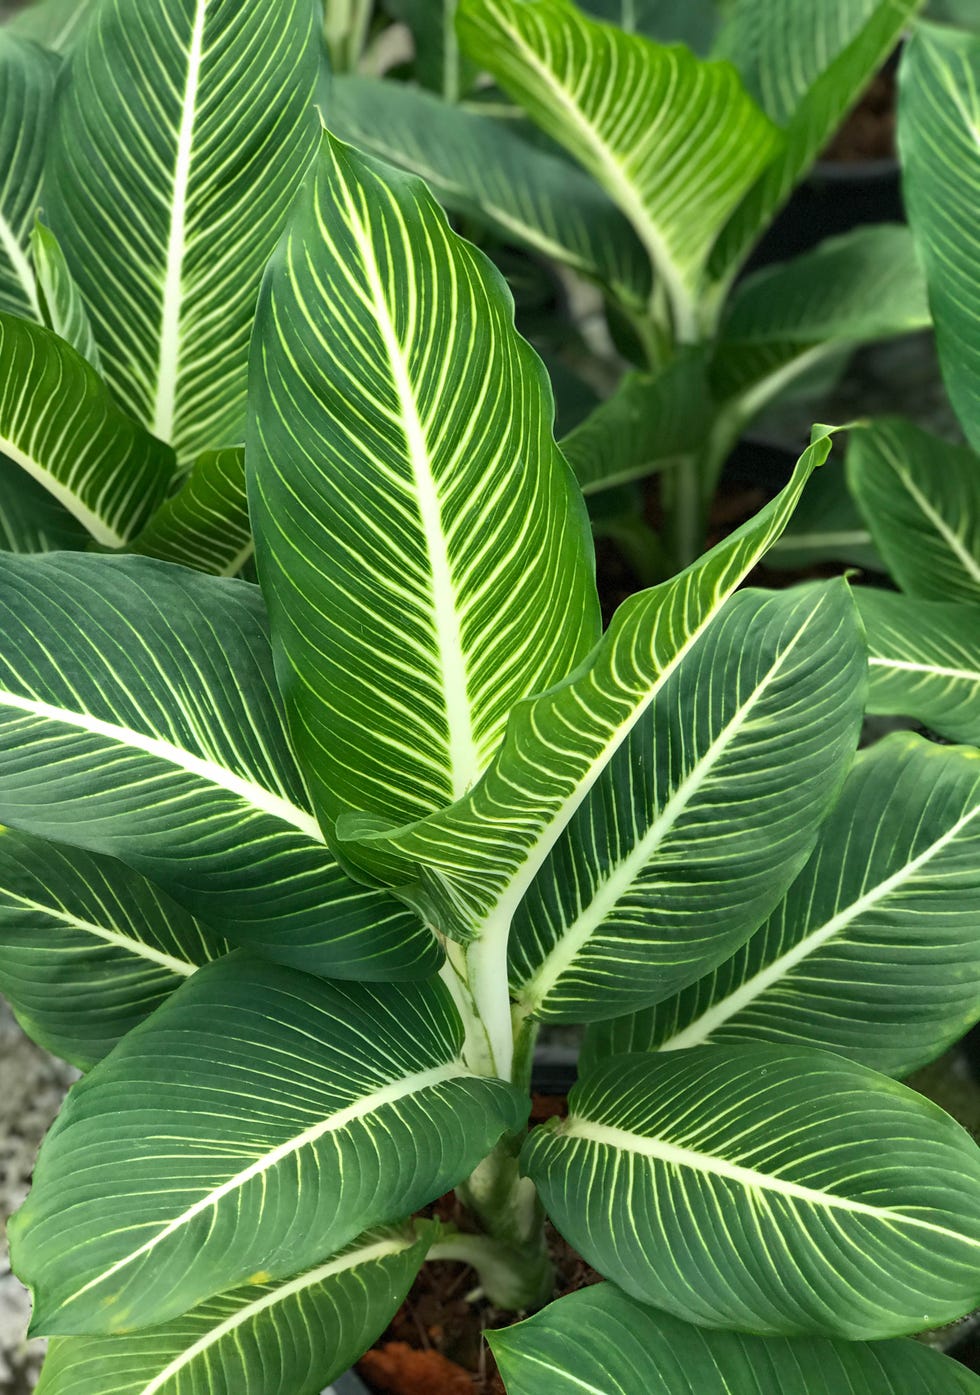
<point x="306" y="1159"/>
<point x="427" y="571"/>
<point x="800" y="1192"/>
<point x="870" y="953"/>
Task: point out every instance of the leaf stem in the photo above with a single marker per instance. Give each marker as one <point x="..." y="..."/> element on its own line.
<point x="509" y="1276"/>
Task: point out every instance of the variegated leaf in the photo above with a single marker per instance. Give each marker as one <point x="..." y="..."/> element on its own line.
<point x="180" y="137"/>
<point x="766" y="1189"/>
<point x="873" y="951"/>
<point x="421" y="543"/>
<point x="27" y="79"/>
<point x="139" y="717"/>
<point x="205" y="524"/>
<point x="284" y="1116"/>
<point x="675" y="141"/>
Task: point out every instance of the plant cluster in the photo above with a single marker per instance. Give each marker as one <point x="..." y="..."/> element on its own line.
<point x="324" y="789"/>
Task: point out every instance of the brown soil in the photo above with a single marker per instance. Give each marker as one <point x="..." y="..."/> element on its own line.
<point x="434" y="1344"/>
<point x="869" y="131"/>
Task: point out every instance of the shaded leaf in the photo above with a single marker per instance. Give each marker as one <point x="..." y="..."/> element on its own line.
<point x="61" y="304"/>
<point x="925" y="661"/>
<point x="939" y="139"/>
<point x="139" y="717"/>
<point x="205" y="524"/>
<point x="920" y="497"/>
<point x="602" y="1341"/>
<point x="88" y="948"/>
<point x="180" y="137"/>
<point x="285" y="1338"/>
<point x="27" y="78"/>
<point x="59" y="423"/>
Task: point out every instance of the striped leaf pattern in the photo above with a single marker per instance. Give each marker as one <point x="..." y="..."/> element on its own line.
<point x="604" y="1342"/>
<point x="827" y="526"/>
<point x="873" y="951"/>
<point x="54" y="24"/>
<point x="480" y="167"/>
<point x="865" y="285"/>
<point x="649" y="423"/>
<point x="205" y="524"/>
<point x="476" y="860"/>
<point x="178" y="142"/>
<point x="939" y="140"/>
<point x="27" y="78"/>
<point x="924" y="661"/>
<point x="31" y="519"/>
<point x="139" y="717"/>
<point x="285" y="1338"/>
<point x="61" y="306"/>
<point x="422" y="546"/>
<point x="285" y="1114"/>
<point x="707" y="809"/>
<point x="88" y="948"/>
<point x="59" y="422"/>
<point x="806" y="66"/>
<point x="921" y="499"/>
<point x="768" y="1190"/>
<point x="677" y="148"/>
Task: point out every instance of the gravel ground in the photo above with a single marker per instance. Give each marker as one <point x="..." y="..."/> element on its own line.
<point x="32" y="1085"/>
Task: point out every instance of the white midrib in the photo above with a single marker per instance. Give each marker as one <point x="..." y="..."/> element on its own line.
<point x="112" y="937"/>
<point x="797" y="542"/>
<point x="702" y="1027"/>
<point x="463" y="754"/>
<point x="171" y="305"/>
<point x="382" y="1249"/>
<point x="101" y="531"/>
<point x="955" y="544"/>
<point x="908" y="666"/>
<point x="210" y="771"/>
<point x="675" y="1156"/>
<point x="369" y="1104"/>
<point x="577" y="935"/>
<point x="22" y="268"/>
<point x="622" y="190"/>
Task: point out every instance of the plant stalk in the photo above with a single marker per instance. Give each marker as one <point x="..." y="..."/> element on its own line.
<point x="512" y="1217"/>
<point x="505" y="1276"/>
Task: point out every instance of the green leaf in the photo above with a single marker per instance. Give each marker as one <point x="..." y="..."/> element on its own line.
<point x="31" y="519"/>
<point x="422" y="546"/>
<point x="773" y="1190"/>
<point x="925" y="661"/>
<point x="873" y="950"/>
<point x="285" y="1338"/>
<point x="806" y="68"/>
<point x="468" y="868"/>
<point x="287" y="1115"/>
<point x="676" y="149"/>
<point x="476" y="860"/>
<point x="62" y="307"/>
<point x="691" y="22"/>
<point x="703" y="816"/>
<point x="54" y="24"/>
<point x="59" y="422"/>
<point x="179" y="140"/>
<point x="204" y="525"/>
<point x="603" y="1342"/>
<point x="939" y="139"/>
<point x="863" y="286"/>
<point x="27" y="78"/>
<point x="921" y="499"/>
<point x="826" y="526"/>
<point x="479" y="167"/>
<point x="648" y="424"/>
<point x="139" y="717"/>
<point x="88" y="948"/>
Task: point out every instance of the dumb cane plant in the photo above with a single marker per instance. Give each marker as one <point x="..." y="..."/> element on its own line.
<point x="653" y="174"/>
<point x="295" y="872"/>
